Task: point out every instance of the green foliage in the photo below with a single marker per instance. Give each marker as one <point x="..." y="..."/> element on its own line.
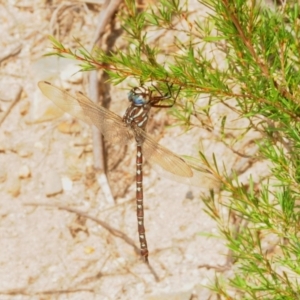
<point x="259" y="48"/>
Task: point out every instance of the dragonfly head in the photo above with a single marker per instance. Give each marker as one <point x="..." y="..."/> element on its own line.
<point x="139" y="96"/>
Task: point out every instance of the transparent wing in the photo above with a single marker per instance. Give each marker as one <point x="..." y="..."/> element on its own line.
<point x="173" y="166"/>
<point x="81" y="107"/>
<point x="114" y="129"/>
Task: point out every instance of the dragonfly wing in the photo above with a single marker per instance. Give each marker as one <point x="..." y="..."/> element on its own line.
<point x="175" y="167"/>
<point x="110" y="124"/>
<point x="155" y="153"/>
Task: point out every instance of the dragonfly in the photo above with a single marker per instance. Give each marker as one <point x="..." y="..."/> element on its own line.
<point x="124" y="130"/>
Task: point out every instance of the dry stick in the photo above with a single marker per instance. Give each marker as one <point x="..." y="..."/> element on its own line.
<point x="54" y="16"/>
<point x="109" y="228"/>
<point x="112" y="230"/>
<point x="10" y="52"/>
<point x="98" y="150"/>
<point x="23" y="291"/>
<point x="103" y="20"/>
<point x="12" y="104"/>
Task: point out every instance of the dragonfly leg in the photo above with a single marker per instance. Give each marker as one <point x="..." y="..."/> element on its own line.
<point x="155" y="100"/>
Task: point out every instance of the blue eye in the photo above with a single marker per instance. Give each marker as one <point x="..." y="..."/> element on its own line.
<point x="136" y="99"/>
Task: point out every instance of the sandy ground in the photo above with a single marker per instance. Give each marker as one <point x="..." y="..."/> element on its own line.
<point x="51" y="248"/>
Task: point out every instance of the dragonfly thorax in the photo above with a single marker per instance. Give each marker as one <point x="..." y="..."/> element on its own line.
<point x="137" y="116"/>
<point x="139" y="96"/>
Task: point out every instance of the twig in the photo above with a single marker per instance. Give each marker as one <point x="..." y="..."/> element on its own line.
<point x="10" y="52"/>
<point x="112" y="230"/>
<point x="22" y="291"/>
<point x="11" y="105"/>
<point x="103" y="19"/>
<point x="109" y="228"/>
<point x="54" y="17"/>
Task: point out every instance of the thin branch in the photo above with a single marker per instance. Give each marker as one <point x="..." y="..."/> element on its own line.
<point x="11" y="105"/>
<point x="115" y="232"/>
<point x="103" y="19"/>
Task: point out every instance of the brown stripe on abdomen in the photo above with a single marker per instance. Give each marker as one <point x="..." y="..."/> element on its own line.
<point x="139" y="202"/>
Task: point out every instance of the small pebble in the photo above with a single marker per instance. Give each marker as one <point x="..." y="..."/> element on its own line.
<point x="39" y="145"/>
<point x="23" y="150"/>
<point x="53" y="184"/>
<point x="3" y="174"/>
<point x="12" y="93"/>
<point x="24" y="107"/>
<point x="67" y="183"/>
<point x="189" y="195"/>
<point x="13" y="186"/>
<point x="2" y="147"/>
<point x="24" y="172"/>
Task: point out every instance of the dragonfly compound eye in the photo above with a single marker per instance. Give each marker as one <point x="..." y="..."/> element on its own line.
<point x="138" y="97"/>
